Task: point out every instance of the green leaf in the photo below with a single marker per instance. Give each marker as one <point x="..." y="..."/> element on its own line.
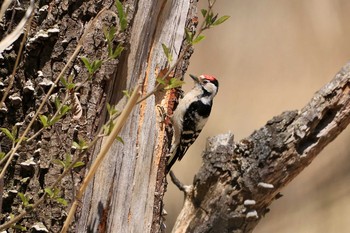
<point x="109" y="33"/>
<point x="56" y="191"/>
<point x="161" y="81"/>
<point x="108" y="128"/>
<point x="24" y="199"/>
<point x="127" y="93"/>
<point x="59" y="162"/>
<point x="70" y="86"/>
<point x="208" y="19"/>
<point x="76" y="145"/>
<point x="24" y="139"/>
<point x="57" y="102"/>
<point x="204" y="12"/>
<point x="221" y="20"/>
<point x="81" y="145"/>
<point x="120" y="139"/>
<point x="2" y="155"/>
<point x="19" y="227"/>
<point x="62" y="201"/>
<point x="198" y="39"/>
<point x="95" y="66"/>
<point x="54" y="120"/>
<point x="78" y="164"/>
<point x="111" y="110"/>
<point x="63" y="81"/>
<point x="87" y="64"/>
<point x="174" y="83"/>
<point x="189" y="36"/>
<point x="167" y="53"/>
<point x="123" y="22"/>
<point x="44" y="120"/>
<point x="68" y="160"/>
<point x="117" y="51"/>
<point x="49" y="192"/>
<point x="64" y="109"/>
<point x="8" y="134"/>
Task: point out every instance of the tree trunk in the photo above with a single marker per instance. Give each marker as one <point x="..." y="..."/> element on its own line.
<point x="126" y="194"/>
<point x="238" y="181"/>
<point x="127" y="191"/>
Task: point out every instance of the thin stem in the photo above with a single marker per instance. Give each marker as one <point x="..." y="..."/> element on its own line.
<point x="74" y="55"/>
<point x="103" y="152"/>
<point x="188" y="46"/>
<point x="36" y="204"/>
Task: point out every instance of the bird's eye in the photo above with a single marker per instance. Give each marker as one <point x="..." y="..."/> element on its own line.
<point x="205" y="81"/>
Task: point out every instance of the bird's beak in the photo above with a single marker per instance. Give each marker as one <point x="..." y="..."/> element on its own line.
<point x="195" y="78"/>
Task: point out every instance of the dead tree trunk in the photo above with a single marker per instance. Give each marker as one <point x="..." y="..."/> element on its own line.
<point x="238" y="181"/>
<point x="126" y="194"/>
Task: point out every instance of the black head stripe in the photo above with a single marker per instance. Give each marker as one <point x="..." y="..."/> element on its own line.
<point x="215" y="82"/>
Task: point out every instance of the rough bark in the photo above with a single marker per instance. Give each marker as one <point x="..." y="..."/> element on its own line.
<point x="126" y="194"/>
<point x="238" y="181"/>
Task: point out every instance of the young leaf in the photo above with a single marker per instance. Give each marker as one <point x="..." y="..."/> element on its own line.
<point x="78" y="164"/>
<point x="174" y="83"/>
<point x="167" y="53"/>
<point x="111" y="110"/>
<point x="122" y="16"/>
<point x="204" y="12"/>
<point x="76" y="145"/>
<point x="44" y="120"/>
<point x="62" y="201"/>
<point x="8" y="134"/>
<point x="108" y="128"/>
<point x="68" y="160"/>
<point x="198" y="39"/>
<point x="189" y="36"/>
<point x="221" y="20"/>
<point x="161" y="81"/>
<point x="87" y="64"/>
<point x="55" y="192"/>
<point x="110" y="33"/>
<point x="64" y="109"/>
<point x="82" y="145"/>
<point x="95" y="66"/>
<point x="2" y="155"/>
<point x="63" y="81"/>
<point x="54" y="120"/>
<point x="208" y="19"/>
<point x="19" y="227"/>
<point x="119" y="139"/>
<point x="126" y="93"/>
<point x="24" y="199"/>
<point x="49" y="192"/>
<point x="59" y="162"/>
<point x="57" y="102"/>
<point x="117" y="51"/>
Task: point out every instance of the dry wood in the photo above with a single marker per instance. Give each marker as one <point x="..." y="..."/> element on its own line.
<point x="237" y="183"/>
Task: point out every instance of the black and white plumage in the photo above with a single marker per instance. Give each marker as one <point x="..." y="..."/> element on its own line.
<point x="191" y="115"/>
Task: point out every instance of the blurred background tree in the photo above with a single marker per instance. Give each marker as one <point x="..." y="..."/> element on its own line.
<point x="272" y="56"/>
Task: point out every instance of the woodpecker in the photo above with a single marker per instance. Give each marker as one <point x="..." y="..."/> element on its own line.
<point x="191" y="115"/>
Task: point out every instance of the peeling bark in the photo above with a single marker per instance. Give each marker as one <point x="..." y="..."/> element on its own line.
<point x="238" y="181"/>
<point x="126" y="194"/>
